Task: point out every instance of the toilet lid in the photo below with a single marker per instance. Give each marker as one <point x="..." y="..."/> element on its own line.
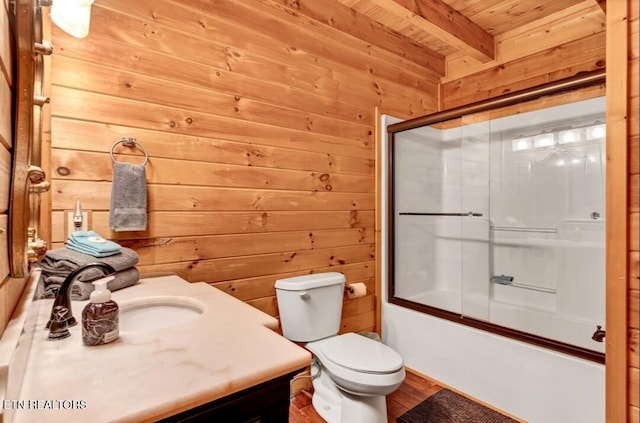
<point x="362" y="354"/>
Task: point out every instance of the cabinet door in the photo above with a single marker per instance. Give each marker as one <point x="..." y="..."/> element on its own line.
<point x="265" y="403"/>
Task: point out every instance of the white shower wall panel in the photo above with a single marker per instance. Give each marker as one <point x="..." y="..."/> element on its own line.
<point x="475" y="266"/>
<point x="530" y="261"/>
<point x="420" y="165"/>
<point x="581" y="288"/>
<point x="415" y="257"/>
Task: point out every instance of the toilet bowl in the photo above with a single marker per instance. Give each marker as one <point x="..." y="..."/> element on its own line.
<point x="351" y="376"/>
<point x="359" y="365"/>
<point x="351" y="373"/>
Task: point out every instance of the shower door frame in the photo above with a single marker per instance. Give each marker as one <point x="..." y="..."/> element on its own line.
<point x="549" y="89"/>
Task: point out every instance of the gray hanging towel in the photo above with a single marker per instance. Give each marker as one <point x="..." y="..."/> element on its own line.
<point x="128" y="210"/>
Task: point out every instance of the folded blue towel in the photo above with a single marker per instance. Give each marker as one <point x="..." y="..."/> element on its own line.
<point x="90" y="242"/>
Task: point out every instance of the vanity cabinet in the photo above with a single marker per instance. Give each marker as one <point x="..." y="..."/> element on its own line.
<point x="240" y="372"/>
<point x="267" y="402"/>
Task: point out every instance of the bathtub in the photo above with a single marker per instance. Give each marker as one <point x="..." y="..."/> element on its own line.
<point x="531" y="382"/>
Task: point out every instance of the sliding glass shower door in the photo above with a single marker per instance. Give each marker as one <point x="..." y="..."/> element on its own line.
<point x="497" y="220"/>
<point x="441" y="201"/>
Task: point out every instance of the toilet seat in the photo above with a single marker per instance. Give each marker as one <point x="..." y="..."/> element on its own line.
<point x="361" y="354"/>
<point x="359" y="365"/>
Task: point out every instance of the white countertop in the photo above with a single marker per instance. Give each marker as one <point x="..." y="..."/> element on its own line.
<point x="144" y="376"/>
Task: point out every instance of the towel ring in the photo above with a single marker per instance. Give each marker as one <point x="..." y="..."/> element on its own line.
<point x="130" y="142"/>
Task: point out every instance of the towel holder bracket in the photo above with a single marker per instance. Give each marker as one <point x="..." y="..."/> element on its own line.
<point x="130" y="142"/>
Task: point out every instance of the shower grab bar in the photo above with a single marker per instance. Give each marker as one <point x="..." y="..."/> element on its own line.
<point x="534" y="288"/>
<point x="440" y="214"/>
<point x="524" y="229"/>
<point x="508" y="281"/>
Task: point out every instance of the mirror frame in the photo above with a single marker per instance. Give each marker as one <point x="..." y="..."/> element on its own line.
<point x="27" y="175"/>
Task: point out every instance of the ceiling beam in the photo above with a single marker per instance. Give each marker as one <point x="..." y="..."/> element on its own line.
<point x="440" y="20"/>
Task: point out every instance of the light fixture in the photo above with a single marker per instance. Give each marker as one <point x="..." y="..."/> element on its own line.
<point x="543" y="140"/>
<point x="72" y="16"/>
<point x="571" y="135"/>
<point x="596" y="132"/>
<point x="520" y="144"/>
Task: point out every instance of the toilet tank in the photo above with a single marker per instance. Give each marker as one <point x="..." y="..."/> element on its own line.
<point x="310" y="306"/>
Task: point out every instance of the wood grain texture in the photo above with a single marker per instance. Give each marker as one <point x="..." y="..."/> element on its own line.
<point x="96" y="195"/>
<point x="151" y="116"/>
<point x="74" y="165"/>
<point x="568" y="59"/>
<point x="341" y="17"/>
<point x="575" y="22"/>
<point x="231" y="268"/>
<point x="7" y="301"/>
<point x="258" y="119"/>
<point x="5" y="179"/>
<point x="634" y="215"/>
<point x="634" y="392"/>
<point x="511" y="13"/>
<point x="437" y="24"/>
<point x="216" y="150"/>
<point x="263" y="286"/>
<point x="4" y="252"/>
<point x="13" y="126"/>
<point x="634" y="347"/>
<point x="6" y="46"/>
<point x="617" y="291"/>
<point x="267" y="45"/>
<point x="6" y="107"/>
<point x="446" y="23"/>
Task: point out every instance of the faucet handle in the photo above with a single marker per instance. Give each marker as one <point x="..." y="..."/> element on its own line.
<point x="58" y="327"/>
<point x="60" y="313"/>
<point x="599" y="334"/>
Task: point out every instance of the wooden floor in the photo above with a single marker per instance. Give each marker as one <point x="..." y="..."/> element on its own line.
<point x="413" y="390"/>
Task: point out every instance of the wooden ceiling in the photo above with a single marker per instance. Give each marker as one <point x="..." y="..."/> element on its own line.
<point x="464" y="28"/>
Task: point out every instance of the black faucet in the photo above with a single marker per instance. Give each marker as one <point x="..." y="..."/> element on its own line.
<point x="63" y="297"/>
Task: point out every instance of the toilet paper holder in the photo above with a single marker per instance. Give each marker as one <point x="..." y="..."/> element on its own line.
<point x="355" y="290"/>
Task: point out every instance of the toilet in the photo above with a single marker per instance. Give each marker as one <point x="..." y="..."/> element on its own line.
<point x="351" y="373"/>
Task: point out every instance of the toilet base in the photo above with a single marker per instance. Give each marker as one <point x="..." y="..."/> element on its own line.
<point x="336" y="406"/>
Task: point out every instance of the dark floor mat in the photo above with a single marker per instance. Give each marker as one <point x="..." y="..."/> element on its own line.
<point x="446" y="406"/>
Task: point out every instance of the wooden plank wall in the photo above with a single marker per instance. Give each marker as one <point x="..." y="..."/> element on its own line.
<point x="259" y="125"/>
<point x="634" y="215"/>
<point x="8" y="292"/>
<point x="618" y="225"/>
<point x="555" y="47"/>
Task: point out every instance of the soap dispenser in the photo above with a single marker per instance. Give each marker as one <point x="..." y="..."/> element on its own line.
<point x="100" y="315"/>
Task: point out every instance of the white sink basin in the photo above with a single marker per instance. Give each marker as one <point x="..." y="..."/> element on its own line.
<point x="151" y="313"/>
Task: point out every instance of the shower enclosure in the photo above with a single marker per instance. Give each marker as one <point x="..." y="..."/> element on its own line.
<point x="497" y="220"/>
